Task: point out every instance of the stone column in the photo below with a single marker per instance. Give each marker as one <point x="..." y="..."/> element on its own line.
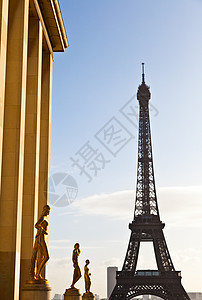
<point x="3" y="48"/>
<point x="31" y="152"/>
<point x="13" y="149"/>
<point x="45" y="132"/>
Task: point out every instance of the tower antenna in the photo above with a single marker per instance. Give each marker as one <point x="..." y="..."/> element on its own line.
<point x="143" y="72"/>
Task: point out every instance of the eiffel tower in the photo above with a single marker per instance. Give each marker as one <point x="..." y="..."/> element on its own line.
<point x="146" y="226"/>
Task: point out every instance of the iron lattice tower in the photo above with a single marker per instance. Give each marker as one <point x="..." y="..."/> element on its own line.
<point x="164" y="282"/>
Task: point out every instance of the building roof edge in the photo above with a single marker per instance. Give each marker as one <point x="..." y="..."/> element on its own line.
<point x="61" y="22"/>
<point x="54" y="23"/>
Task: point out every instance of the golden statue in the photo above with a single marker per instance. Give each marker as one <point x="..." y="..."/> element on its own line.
<point x="40" y="253"/>
<point x="77" y="271"/>
<point x="87" y="277"/>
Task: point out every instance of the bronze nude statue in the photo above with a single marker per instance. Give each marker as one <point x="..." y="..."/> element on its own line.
<point x="77" y="271"/>
<point x="40" y="253"/>
<point x="87" y="277"/>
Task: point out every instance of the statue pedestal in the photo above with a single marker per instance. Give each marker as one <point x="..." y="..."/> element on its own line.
<point x="72" y="294"/>
<point x="88" y="296"/>
<point x="36" y="291"/>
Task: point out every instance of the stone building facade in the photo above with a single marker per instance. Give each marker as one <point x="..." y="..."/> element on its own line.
<point x="30" y="31"/>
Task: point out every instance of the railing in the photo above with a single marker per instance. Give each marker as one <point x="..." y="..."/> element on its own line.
<point x="153" y="273"/>
<point x="147" y="219"/>
<point x="147" y="273"/>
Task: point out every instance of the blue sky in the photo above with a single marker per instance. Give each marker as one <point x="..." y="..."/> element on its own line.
<point x="95" y="77"/>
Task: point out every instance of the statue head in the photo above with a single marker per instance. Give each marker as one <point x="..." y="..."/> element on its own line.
<point x="46" y="210"/>
<point x="76" y="246"/>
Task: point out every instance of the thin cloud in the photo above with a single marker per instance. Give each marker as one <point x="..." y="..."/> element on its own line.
<point x="59" y="262"/>
<point x="114" y="261"/>
<point x="60" y="241"/>
<point x="59" y="247"/>
<point x="118" y="204"/>
<point x="178" y="204"/>
<point x="188" y="255"/>
<point x="70" y="247"/>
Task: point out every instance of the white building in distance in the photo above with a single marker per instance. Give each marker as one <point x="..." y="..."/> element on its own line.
<point x="111" y="279"/>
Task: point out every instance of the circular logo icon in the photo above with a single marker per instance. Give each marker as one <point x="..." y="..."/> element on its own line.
<point x="63" y="189"/>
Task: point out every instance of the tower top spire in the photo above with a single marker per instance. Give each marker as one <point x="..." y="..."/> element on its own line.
<point x="143" y="94"/>
<point x="143" y="73"/>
